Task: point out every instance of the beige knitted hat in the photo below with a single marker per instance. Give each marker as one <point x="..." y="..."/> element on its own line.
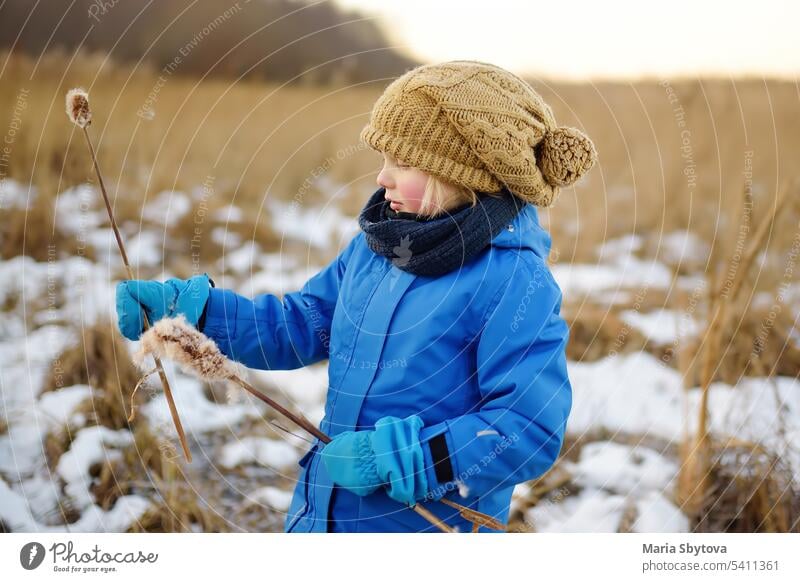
<point x="480" y="126"/>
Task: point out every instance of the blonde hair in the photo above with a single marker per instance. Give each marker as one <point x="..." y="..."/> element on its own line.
<point x="441" y="196"/>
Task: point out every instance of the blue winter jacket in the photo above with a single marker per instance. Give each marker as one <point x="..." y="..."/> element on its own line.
<point x="477" y="353"/>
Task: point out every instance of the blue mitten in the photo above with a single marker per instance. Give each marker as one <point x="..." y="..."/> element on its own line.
<point x="391" y="455"/>
<point x="168" y="299"/>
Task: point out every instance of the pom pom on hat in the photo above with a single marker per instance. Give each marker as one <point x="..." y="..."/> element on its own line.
<point x="565" y="154"/>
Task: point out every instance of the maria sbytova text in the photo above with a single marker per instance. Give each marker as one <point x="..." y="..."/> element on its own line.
<point x="691" y="549"/>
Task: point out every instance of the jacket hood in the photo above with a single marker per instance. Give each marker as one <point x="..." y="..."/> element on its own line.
<point x="525" y="232"/>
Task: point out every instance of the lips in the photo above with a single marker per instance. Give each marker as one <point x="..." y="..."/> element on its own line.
<point x="393" y="203"/>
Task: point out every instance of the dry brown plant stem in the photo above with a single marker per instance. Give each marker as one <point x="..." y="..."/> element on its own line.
<point x="161" y="374"/>
<point x="698" y="463"/>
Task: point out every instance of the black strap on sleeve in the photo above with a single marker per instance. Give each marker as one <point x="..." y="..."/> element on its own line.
<point x="441" y="459"/>
<point x="202" y="321"/>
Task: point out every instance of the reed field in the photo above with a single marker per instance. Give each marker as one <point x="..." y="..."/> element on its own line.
<point x="678" y="257"/>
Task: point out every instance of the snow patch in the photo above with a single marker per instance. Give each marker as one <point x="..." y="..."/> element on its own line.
<point x="263" y="451"/>
<point x="166" y="208"/>
<point x="89" y="447"/>
<point x="621" y="468"/>
<point x="662" y="326"/>
<point x="275" y="498"/>
<point x="198" y="414"/>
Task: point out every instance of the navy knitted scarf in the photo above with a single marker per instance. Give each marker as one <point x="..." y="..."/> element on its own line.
<point x="438" y="245"/>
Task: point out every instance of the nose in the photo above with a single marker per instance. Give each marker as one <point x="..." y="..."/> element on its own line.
<point x="385" y="178"/>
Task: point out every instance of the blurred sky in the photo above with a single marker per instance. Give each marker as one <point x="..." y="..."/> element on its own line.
<point x="579" y="39"/>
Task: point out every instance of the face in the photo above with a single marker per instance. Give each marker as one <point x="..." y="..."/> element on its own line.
<point x="405" y="186"/>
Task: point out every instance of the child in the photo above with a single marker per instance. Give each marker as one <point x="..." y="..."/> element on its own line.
<point x="440" y="319"/>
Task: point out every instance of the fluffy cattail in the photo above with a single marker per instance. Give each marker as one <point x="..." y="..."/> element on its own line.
<point x="78" y="107"/>
<point x="177" y="340"/>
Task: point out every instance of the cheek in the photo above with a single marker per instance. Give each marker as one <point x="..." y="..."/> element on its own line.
<point x="412" y="188"/>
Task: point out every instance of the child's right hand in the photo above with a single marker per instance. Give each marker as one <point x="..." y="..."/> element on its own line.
<point x="168" y="299"/>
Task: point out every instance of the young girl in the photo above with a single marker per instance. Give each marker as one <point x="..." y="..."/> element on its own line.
<point x="440" y="319"/>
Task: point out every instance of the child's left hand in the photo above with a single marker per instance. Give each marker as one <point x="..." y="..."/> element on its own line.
<point x="391" y="455"/>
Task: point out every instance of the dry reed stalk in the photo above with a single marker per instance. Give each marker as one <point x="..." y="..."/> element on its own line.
<point x="698" y="455"/>
<point x="196" y="354"/>
<point x="79" y="112"/>
<point x="477" y="518"/>
<point x="685" y="476"/>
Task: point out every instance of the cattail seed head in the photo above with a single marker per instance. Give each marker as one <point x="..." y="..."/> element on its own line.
<point x="78" y="107"/>
<point x="177" y="340"/>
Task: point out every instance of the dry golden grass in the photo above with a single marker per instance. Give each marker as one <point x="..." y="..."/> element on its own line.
<point x="56" y="443"/>
<point x="751" y="490"/>
<point x="255" y="140"/>
<point x="249" y="138"/>
<point x="722" y="352"/>
<point x="101" y="360"/>
<point x="31" y="232"/>
<point x="151" y="467"/>
<point x="597" y="331"/>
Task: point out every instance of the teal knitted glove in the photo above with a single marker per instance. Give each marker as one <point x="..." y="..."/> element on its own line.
<point x="391" y="455"/>
<point x="168" y="299"/>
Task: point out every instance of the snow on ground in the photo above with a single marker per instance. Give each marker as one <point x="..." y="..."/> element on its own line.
<point x="229" y="213"/>
<point x="319" y="227"/>
<point x="619" y="247"/>
<point x="198" y="414"/>
<point x="276" y="498"/>
<point x="21" y="446"/>
<point x="662" y="326"/>
<point x="269" y="452"/>
<point x="578" y="280"/>
<point x="15" y="194"/>
<point x="304" y="388"/>
<point x="657" y="514"/>
<point x="638" y="394"/>
<point x="92" y="445"/>
<point x="15" y="512"/>
<point x="614" y="478"/>
<point x="682" y="247"/>
<point x="71" y="289"/>
<point x="253" y="272"/>
<point x="758" y="410"/>
<point x="36" y="350"/>
<point x="166" y="208"/>
<point x="78" y="210"/>
<point x="144" y="249"/>
<point x="225" y="238"/>
<point x="634" y="393"/>
<point x="33" y="496"/>
<point x="243" y="260"/>
<point x="592" y="511"/>
<point x="621" y="468"/>
<point x="266" y="281"/>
